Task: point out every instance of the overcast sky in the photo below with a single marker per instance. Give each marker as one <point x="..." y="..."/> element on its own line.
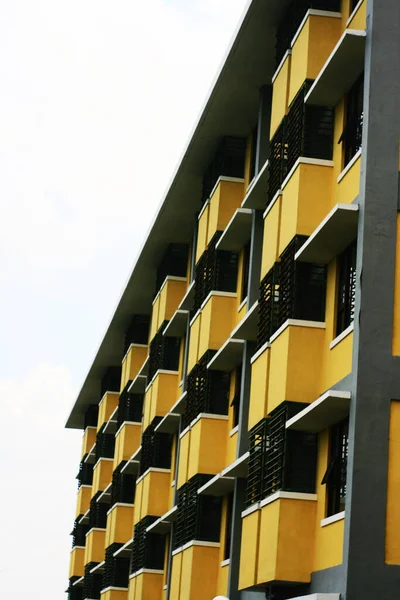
<point x="97" y="100"/>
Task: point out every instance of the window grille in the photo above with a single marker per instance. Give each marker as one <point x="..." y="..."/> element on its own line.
<point x="148" y="549"/>
<point x="156" y="448"/>
<point x="74" y="593"/>
<point x="237" y="394"/>
<point x="280" y="459"/>
<point x="174" y="263"/>
<point x="268" y="304"/>
<point x="97" y="513"/>
<point x="164" y="353"/>
<point x="85" y="474"/>
<point x="123" y="486"/>
<point x="309" y="130"/>
<point x="292" y="20"/>
<point x="245" y="271"/>
<point x="92" y="583"/>
<point x="79" y="533"/>
<point x="228" y="526"/>
<point x="207" y="391"/>
<point x="346" y="296"/>
<point x="137" y="332"/>
<point x="116" y="570"/>
<point x="277" y="168"/>
<point x="253" y="154"/>
<point x="336" y="475"/>
<point x="91" y="416"/>
<point x="105" y="444"/>
<point x="228" y="161"/>
<point x="354" y="119"/>
<point x="111" y="380"/>
<point x="216" y="270"/>
<point x="130" y="407"/>
<point x="198" y="517"/>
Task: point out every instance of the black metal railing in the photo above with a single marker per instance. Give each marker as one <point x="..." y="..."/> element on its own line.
<point x="292" y="20"/>
<point x="116" y="569"/>
<point x="346" y="294"/>
<point x="216" y="270"/>
<point x="228" y="161"/>
<point x="280" y="459"/>
<point x="123" y="486"/>
<point x="111" y="380"/>
<point x="92" y="583"/>
<point x="130" y="407"/>
<point x="354" y="121"/>
<point x="91" y="416"/>
<point x="137" y="332"/>
<point x="85" y="474"/>
<point x="79" y="533"/>
<point x="105" y="444"/>
<point x="277" y="168"/>
<point x="156" y="448"/>
<point x="97" y="513"/>
<point x="174" y="262"/>
<point x="207" y="391"/>
<point x="164" y="353"/>
<point x="74" y="593"/>
<point x="336" y="474"/>
<point x="198" y="517"/>
<point x="290" y="290"/>
<point x="148" y="548"/>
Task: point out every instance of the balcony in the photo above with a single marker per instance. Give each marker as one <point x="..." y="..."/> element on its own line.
<point x="95" y="545"/>
<point x="119" y="524"/>
<point x="195" y="571"/>
<point x="76" y="563"/>
<point x="164" y="353"/>
<point x="225" y="198"/>
<point x="102" y="474"/>
<point x="127" y="441"/>
<point x="107" y="405"/>
<point x="89" y="438"/>
<point x="152" y="493"/>
<point x="167" y="301"/>
<point x="160" y="396"/>
<point x="132" y="362"/>
<point x="83" y="499"/>
<point x="116" y="575"/>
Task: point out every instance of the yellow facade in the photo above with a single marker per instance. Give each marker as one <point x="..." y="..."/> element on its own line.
<point x="83" y="499"/>
<point x="226" y="198"/>
<point x="76" y="563"/>
<point x="127" y="441"/>
<point x="167" y="301"/>
<point x="145" y="586"/>
<point x="132" y="362"/>
<point x="392" y="542"/>
<point x="95" y="545"/>
<point x="89" y="438"/>
<point x="152" y="493"/>
<point x="119" y="524"/>
<point x="272" y="227"/>
<point x="359" y="17"/>
<point x="160" y="397"/>
<point x="280" y="95"/>
<point x="114" y="594"/>
<point x="249" y="549"/>
<point x="194" y="572"/>
<point x="258" y="407"/>
<point x="207" y="445"/>
<point x="107" y="405"/>
<point x="102" y="474"/>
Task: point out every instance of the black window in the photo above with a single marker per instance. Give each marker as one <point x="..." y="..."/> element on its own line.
<point x="245" y="273"/>
<point x="116" y="569"/>
<point x="236" y="398"/>
<point x="163" y="353"/>
<point x="346" y="288"/>
<point x="336" y="474"/>
<point x="156" y="448"/>
<point x="351" y="137"/>
<point x="148" y="548"/>
<point x="228" y="161"/>
<point x="353" y="4"/>
<point x="253" y="155"/>
<point x="228" y="526"/>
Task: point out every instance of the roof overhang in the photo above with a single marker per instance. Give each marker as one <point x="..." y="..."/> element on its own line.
<point x="231" y="109"/>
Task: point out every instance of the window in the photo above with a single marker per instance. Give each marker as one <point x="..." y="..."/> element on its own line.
<point x="353" y="4"/>
<point x="245" y="272"/>
<point x="336" y="473"/>
<point x="228" y="526"/>
<point x="346" y="288"/>
<point x="351" y="137"/>
<point x="236" y="398"/>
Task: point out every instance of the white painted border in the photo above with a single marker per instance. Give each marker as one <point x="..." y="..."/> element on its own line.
<point x="272" y="203"/>
<point x="303" y="160"/>
<point x="288" y="496"/>
<point x="313" y="12"/>
<point x="242" y="304"/>
<point x="225" y="178"/>
<point x="341" y="336"/>
<point x="152" y="470"/>
<point x="218" y="293"/>
<point x="349" y="165"/>
<point x="333" y="519"/>
<point x="234" y="431"/>
<point x="297" y="323"/>
<point x="354" y="11"/>
<point x="168" y="278"/>
<point x="137" y="423"/>
<point x="309" y="409"/>
<point x="225" y="563"/>
<point x="250" y="510"/>
<point x="259" y="352"/>
<point x="206" y="203"/>
<point x="280" y="67"/>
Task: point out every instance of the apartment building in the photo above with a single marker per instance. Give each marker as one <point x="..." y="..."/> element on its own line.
<point x="241" y="419"/>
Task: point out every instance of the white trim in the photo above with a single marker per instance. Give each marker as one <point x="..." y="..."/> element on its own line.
<point x="259" y="352"/>
<point x="341" y="336"/>
<point x="206" y="203"/>
<point x="142" y="571"/>
<point x="225" y="178"/>
<point x="77" y="548"/>
<point x="95" y="529"/>
<point x="177" y="551"/>
<point x="311" y="407"/>
<point x="349" y="165"/>
<point x="85" y="485"/>
<point x="244" y="318"/>
<point x="152" y="470"/>
<point x="184" y="432"/>
<point x="312" y="12"/>
<point x="250" y="510"/>
<point x="133" y="345"/>
<point x="278" y="70"/>
<point x="89" y="427"/>
<point x="272" y="203"/>
<point x="198" y="313"/>
<point x="200" y="543"/>
<point x="234" y="431"/>
<point x="303" y="160"/>
<point x="242" y="304"/>
<point x="112" y="588"/>
<point x="104" y="395"/>
<point x="165" y="587"/>
<point x="218" y="293"/>
<point x="100" y="459"/>
<point x="128" y="423"/>
<point x="288" y="496"/>
<point x="119" y="504"/>
<point x="208" y="416"/>
<point x="173" y="483"/>
<point x="180" y="384"/>
<point x="160" y="372"/>
<point x="297" y="323"/>
<point x="168" y="278"/>
<point x="333" y="519"/>
<point x="226" y="562"/>
<point x="354" y="11"/>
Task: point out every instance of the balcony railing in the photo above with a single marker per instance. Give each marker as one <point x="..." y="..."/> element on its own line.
<point x="198" y="517"/>
<point x="164" y="353"/>
<point x="280" y="459"/>
<point x="123" y="486"/>
<point x="148" y="548"/>
<point x="228" y="161"/>
<point x="79" y="533"/>
<point x="156" y="448"/>
<point x="174" y="263"/>
<point x="105" y="444"/>
<point x="116" y="570"/>
<point x="92" y="583"/>
<point x="85" y="474"/>
<point x="137" y="332"/>
<point x="91" y="415"/>
<point x="97" y="513"/>
<point x="74" y="593"/>
<point x="130" y="407"/>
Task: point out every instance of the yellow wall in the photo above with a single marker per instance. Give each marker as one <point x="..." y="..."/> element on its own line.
<point x="89" y="438"/>
<point x="208" y="438"/>
<point x="249" y="550"/>
<point x="183" y="459"/>
<point x="154" y="317"/>
<point x="258" y="408"/>
<point x="148" y="586"/>
<point x="194" y="342"/>
<point x="225" y="200"/>
<point x="311" y="50"/>
<point x="280" y="94"/>
<point x="170" y="298"/>
<point x="202" y="232"/>
<point x="199" y="573"/>
<point x="114" y="595"/>
<point x="83" y="499"/>
<point x="359" y="20"/>
<point x="102" y="474"/>
<point x="127" y="441"/>
<point x="272" y="225"/>
<point x="119" y="524"/>
<point x="176" y="575"/>
<point x="132" y="362"/>
<point x="217" y="322"/>
<point x="107" y="405"/>
<point x="160" y="397"/>
<point x="76" y="562"/>
<point x="396" y="315"/>
<point x="155" y="493"/>
<point x="392" y="545"/>
<point x="95" y="545"/>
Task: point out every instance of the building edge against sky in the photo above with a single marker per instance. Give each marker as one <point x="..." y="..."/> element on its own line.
<point x="241" y="419"/>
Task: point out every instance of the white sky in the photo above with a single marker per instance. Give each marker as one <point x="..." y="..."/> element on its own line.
<point x="97" y="100"/>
